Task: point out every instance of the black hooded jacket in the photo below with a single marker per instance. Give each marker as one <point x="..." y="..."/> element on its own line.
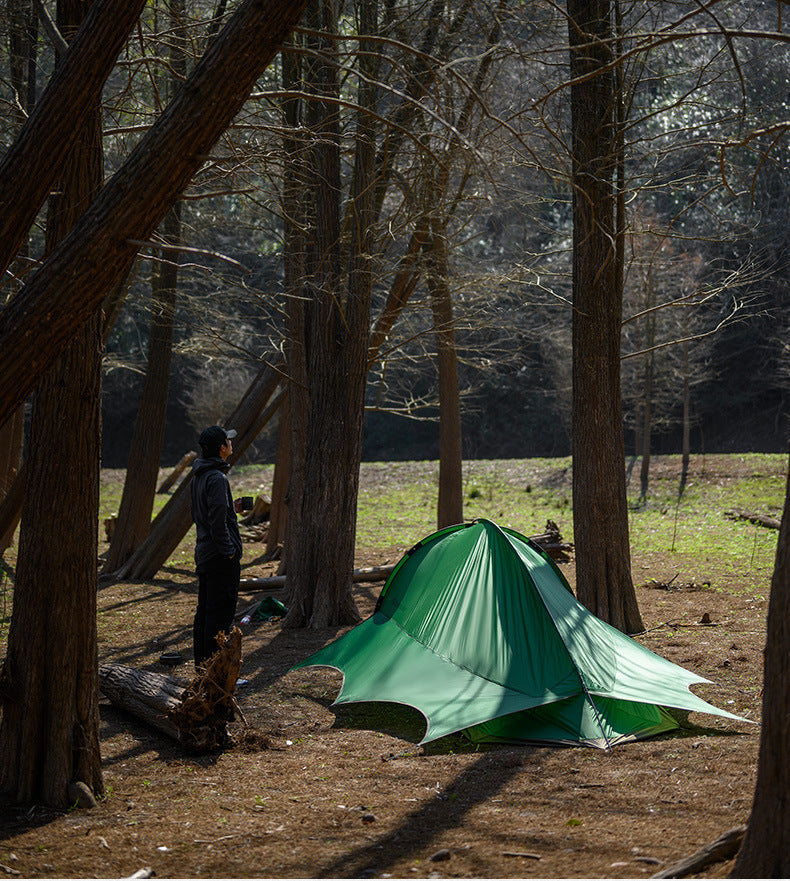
<point x="212" y="511"/>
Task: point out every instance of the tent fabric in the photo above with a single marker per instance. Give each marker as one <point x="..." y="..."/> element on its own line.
<point x="478" y="629"/>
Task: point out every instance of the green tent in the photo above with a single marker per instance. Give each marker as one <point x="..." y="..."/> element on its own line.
<point x="478" y="629"/>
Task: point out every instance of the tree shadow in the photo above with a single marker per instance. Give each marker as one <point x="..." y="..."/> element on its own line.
<point x="446" y="810"/>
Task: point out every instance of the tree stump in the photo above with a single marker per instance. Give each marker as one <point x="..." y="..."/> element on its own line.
<point x="196" y="715"/>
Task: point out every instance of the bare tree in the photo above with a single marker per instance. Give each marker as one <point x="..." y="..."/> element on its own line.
<point x="603" y="581"/>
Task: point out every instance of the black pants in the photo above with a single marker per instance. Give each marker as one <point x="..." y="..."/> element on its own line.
<point x="218" y="592"/>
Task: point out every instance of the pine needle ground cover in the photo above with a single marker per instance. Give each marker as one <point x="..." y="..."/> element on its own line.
<point x="314" y="791"/>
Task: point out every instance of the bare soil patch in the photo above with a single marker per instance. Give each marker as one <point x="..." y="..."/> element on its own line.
<point x="309" y="791"/>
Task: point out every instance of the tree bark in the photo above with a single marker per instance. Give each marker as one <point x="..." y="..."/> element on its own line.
<point x="723" y="848"/>
<point x="137" y="501"/>
<point x="142" y="469"/>
<point x="765" y="852"/>
<point x="647" y="391"/>
<point x="49" y="734"/>
<point x="34" y="160"/>
<point x="37" y="325"/>
<point x="329" y="350"/>
<point x="278" y="516"/>
<point x="600" y="509"/>
<point x="186" y="460"/>
<point x="686" y="457"/>
<point x="195" y="716"/>
<point x="11" y="444"/>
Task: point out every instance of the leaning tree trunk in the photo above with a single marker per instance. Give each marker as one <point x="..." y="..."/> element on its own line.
<point x="603" y="567"/>
<point x="765" y="852"/>
<point x="97" y="254"/>
<point x="33" y="162"/>
<point x="142" y="469"/>
<point x="49" y="735"/>
<point x="172" y="522"/>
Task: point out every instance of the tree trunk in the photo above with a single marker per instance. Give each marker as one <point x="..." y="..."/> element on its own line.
<point x="49" y="735"/>
<point x="684" y="474"/>
<point x="195" y="716"/>
<point x="647" y="404"/>
<point x="186" y="460"/>
<point x="22" y="56"/>
<point x="142" y="469"/>
<point x="278" y="516"/>
<point x="600" y="509"/>
<point x="11" y="443"/>
<point x="33" y="162"/>
<point x="450" y="505"/>
<point x="99" y="251"/>
<point x="765" y="852"/>
<point x="330" y="351"/>
<point x="173" y="521"/>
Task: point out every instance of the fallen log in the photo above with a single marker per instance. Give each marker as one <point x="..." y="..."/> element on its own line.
<point x="275" y="582"/>
<point x="723" y="848"/>
<point x="196" y="715"/>
<point x="757" y="519"/>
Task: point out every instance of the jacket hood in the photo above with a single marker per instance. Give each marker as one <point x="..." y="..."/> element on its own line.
<point x="200" y="465"/>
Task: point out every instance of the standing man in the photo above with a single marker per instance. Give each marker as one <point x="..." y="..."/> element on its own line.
<point x="218" y="545"/>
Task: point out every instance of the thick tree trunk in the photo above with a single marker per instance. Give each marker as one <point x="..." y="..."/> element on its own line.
<point x="765" y="852"/>
<point x="331" y="352"/>
<point x="173" y="521"/>
<point x="600" y="509"/>
<point x="39" y="322"/>
<point x="49" y="735"/>
<point x="11" y="443"/>
<point x="142" y="469"/>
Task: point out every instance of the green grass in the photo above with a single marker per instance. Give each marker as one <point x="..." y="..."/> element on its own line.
<point x="397" y="504"/>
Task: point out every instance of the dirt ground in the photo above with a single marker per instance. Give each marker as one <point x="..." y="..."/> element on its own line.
<point x="315" y="792"/>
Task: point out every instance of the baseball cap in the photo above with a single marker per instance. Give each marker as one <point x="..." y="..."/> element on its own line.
<point x="213" y="437"/>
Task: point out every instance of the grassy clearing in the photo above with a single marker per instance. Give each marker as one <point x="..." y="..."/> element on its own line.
<point x="398" y="500"/>
<point x="397" y="504"/>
